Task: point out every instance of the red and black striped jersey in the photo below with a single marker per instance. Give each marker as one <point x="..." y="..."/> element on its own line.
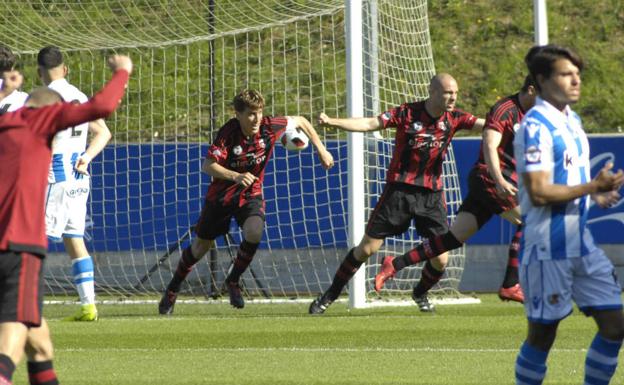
<point x="234" y="151"/>
<point x="505" y="117"/>
<point x="25" y="152"/>
<point x="421" y="142"/>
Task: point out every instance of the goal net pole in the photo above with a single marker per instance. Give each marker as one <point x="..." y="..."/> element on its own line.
<point x="355" y="144"/>
<point x="540" y="22"/>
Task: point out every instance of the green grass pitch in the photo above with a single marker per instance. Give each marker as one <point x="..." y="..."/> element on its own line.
<point x="281" y="344"/>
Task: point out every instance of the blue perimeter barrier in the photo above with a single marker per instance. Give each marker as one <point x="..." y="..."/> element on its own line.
<point x="146" y="196"/>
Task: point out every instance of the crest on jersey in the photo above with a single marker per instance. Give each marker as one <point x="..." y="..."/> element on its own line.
<point x="442" y="125"/>
<point x="386" y="115"/>
<point x="261" y="143"/>
<point x="237" y="150"/>
<point x="532" y="128"/>
<point x="216" y="152"/>
<point x="414" y="128"/>
<point x="533" y="155"/>
<point x="516" y="127"/>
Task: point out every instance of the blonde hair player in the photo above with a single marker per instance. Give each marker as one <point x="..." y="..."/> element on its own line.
<point x="236" y="161"/>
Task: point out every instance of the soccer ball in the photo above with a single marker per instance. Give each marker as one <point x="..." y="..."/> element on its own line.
<point x="293" y="139"/>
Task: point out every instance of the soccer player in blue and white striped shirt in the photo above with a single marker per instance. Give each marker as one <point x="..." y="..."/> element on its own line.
<point x="559" y="260"/>
<point x="68" y="181"/>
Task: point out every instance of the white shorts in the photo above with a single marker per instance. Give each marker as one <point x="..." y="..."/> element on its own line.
<point x="66" y="209"/>
<point x="550" y="286"/>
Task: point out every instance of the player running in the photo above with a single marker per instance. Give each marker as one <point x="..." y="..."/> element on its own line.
<point x="492" y="191"/>
<point x="236" y="161"/>
<point x="68" y="181"/>
<point x="413" y="187"/>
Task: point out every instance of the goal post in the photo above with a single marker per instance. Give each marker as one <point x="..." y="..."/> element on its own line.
<point x="344" y="57"/>
<point x="355" y="108"/>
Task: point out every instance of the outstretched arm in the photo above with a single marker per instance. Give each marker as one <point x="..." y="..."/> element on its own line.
<point x="478" y="125"/>
<point x="326" y="158"/>
<point x="104" y="102"/>
<point x="351" y="124"/>
<point x="101" y="136"/>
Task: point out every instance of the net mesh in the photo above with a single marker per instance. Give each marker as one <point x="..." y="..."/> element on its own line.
<point x="191" y="58"/>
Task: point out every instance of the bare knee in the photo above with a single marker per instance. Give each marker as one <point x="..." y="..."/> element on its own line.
<point x="367" y="247"/>
<point x="542" y="336"/>
<point x="200" y="246"/>
<point x="253" y="228"/>
<point x="253" y="236"/>
<point x="610" y="324"/>
<point x="440" y="262"/>
<point x="38" y="344"/>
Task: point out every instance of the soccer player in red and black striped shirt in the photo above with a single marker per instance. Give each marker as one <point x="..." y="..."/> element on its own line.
<point x="492" y="191"/>
<point x="413" y="183"/>
<point x="25" y="139"/>
<point x="236" y="161"/>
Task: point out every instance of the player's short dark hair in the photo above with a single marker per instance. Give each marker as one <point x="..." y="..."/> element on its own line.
<point x="540" y="62"/>
<point x="7" y="58"/>
<point x="532" y="51"/>
<point x="50" y="57"/>
<point x="528" y="82"/>
<point x="248" y="98"/>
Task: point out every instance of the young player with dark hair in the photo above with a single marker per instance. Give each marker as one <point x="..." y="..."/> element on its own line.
<point x="413" y="183"/>
<point x="492" y="191"/>
<point x="16" y="98"/>
<point x="559" y="261"/>
<point x="25" y="152"/>
<point x="68" y="181"/>
<point x="236" y="161"/>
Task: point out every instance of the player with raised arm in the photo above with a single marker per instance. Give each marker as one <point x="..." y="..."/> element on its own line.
<point x="559" y="260"/>
<point x="413" y="188"/>
<point x="492" y="191"/>
<point x="16" y="98"/>
<point x="25" y="151"/>
<point x="68" y="181"/>
<point x="236" y="161"/>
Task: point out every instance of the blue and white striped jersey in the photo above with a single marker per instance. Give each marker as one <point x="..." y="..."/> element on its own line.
<point x="553" y="141"/>
<point x="13" y="101"/>
<point x="70" y="143"/>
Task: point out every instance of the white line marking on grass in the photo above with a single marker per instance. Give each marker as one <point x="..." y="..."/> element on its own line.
<point x="306" y="350"/>
<point x="258" y="301"/>
<point x="249" y="317"/>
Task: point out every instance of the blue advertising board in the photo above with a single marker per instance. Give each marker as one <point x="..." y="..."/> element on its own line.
<point x="606" y="225"/>
<point x="144" y="197"/>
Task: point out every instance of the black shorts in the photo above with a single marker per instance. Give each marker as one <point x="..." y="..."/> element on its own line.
<point x="482" y="200"/>
<point x="215" y="219"/>
<point x="21" y="287"/>
<point x="400" y="203"/>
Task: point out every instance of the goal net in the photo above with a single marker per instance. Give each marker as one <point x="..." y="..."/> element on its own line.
<point x="191" y="57"/>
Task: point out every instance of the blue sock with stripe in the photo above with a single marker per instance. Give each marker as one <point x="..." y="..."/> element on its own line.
<point x="530" y="365"/>
<point x="601" y="361"/>
<point x="82" y="270"/>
